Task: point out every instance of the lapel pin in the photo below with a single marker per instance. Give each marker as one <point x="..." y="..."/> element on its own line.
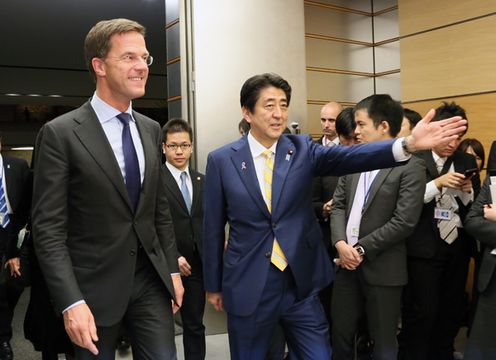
<point x="288" y="155"/>
<point x="243" y="166"/>
<point x="198" y="178"/>
<point x="8" y="166"/>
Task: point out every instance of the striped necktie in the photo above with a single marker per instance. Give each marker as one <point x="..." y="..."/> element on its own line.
<point x="277" y="258"/>
<point x="4" y="213"/>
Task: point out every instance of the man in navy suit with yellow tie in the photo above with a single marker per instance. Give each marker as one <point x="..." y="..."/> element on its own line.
<point x="275" y="263"/>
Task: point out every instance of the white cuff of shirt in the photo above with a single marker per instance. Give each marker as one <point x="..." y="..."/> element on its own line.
<point x="74" y="305"/>
<point x="431" y="191"/>
<point x="398" y="153"/>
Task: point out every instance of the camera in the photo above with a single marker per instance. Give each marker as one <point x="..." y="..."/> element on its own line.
<point x="295" y="126"/>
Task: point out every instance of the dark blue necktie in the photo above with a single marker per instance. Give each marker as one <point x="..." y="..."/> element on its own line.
<point x="133" y="177"/>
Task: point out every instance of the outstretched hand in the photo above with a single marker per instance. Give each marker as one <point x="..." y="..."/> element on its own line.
<point x="427" y="134"/>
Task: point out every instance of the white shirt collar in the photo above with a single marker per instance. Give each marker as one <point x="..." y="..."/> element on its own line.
<point x="256" y="148"/>
<point x="176" y="173"/>
<point x="106" y="112"/>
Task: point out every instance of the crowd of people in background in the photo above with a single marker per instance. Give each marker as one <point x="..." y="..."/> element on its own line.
<point x="355" y="245"/>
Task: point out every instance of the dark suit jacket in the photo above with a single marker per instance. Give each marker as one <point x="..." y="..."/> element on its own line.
<point x="390" y="214"/>
<point x="485" y="231"/>
<point x="232" y="194"/>
<point x="86" y="234"/>
<point x="491" y="160"/>
<point x="18" y="182"/>
<point x="187" y="228"/>
<point x="323" y="190"/>
<point x="425" y="239"/>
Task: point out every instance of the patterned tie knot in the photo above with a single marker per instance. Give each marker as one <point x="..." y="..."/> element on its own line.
<point x="267" y="154"/>
<point x="440" y="164"/>
<point x="124" y="118"/>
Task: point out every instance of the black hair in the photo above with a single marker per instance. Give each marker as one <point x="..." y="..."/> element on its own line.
<point x="345" y="122"/>
<point x="176" y="126"/>
<point x="250" y="91"/>
<point x="382" y="107"/>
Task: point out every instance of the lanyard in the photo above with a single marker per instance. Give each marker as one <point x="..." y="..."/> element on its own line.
<point x="366" y="189"/>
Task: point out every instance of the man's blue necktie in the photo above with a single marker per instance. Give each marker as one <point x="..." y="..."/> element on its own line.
<point x="185" y="191"/>
<point x="4" y="213"/>
<point x="133" y="177"/>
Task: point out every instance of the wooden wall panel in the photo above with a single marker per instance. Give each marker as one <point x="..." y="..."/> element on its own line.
<point x="453" y="61"/>
<point x="481" y="114"/>
<point x="337" y="55"/>
<point x="421" y="15"/>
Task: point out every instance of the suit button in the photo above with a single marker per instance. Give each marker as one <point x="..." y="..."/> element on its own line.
<point x="135" y="223"/>
<point x="274" y="225"/>
<point x="268" y="254"/>
<point x="132" y="252"/>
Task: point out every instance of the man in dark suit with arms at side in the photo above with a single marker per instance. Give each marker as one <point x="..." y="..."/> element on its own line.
<point x="184" y="190"/>
<point x="15" y="199"/>
<point x="102" y="226"/>
<point x="275" y="262"/>
<point x="373" y="212"/>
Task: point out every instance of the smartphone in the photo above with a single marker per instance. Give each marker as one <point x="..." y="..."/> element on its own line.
<point x="469" y="172"/>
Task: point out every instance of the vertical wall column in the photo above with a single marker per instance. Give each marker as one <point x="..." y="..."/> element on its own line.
<point x="234" y="40"/>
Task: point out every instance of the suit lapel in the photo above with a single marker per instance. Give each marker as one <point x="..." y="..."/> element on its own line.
<point x="353" y="183"/>
<point x="150" y="150"/>
<point x="429" y="163"/>
<point x="376" y="185"/>
<point x="9" y="178"/>
<point x="285" y="152"/>
<point x="93" y="138"/>
<point x="243" y="163"/>
<point x="171" y="184"/>
<point x="196" y="182"/>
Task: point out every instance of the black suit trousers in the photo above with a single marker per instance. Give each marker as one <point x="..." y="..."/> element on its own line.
<point x="434" y="302"/>
<point x="192" y="311"/>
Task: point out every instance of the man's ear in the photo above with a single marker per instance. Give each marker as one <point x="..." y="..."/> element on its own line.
<point x="98" y="66"/>
<point x="246" y="114"/>
<point x="384" y="127"/>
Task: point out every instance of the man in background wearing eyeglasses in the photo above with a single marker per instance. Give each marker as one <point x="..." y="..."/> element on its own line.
<point x="184" y="190"/>
<point x="102" y="227"/>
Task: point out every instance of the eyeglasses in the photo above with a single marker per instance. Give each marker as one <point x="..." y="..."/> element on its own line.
<point x="173" y="147"/>
<point x="133" y="59"/>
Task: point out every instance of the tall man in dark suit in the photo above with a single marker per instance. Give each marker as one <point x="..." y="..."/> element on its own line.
<point x="439" y="252"/>
<point x="184" y="190"/>
<point x="102" y="227"/>
<point x="481" y="224"/>
<point x="373" y="213"/>
<point x="323" y="190"/>
<point x="275" y="262"/>
<point x="15" y="197"/>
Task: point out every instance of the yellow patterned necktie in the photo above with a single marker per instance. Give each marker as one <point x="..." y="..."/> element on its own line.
<point x="277" y="258"/>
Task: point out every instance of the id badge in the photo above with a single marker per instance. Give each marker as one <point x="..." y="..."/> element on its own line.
<point x="355" y="231"/>
<point x="442" y="214"/>
<point x="1" y="218"/>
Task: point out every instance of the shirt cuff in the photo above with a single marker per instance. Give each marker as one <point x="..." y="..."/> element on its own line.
<point x="74" y="305"/>
<point x="431" y="191"/>
<point x="398" y="152"/>
<point x="172" y="274"/>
